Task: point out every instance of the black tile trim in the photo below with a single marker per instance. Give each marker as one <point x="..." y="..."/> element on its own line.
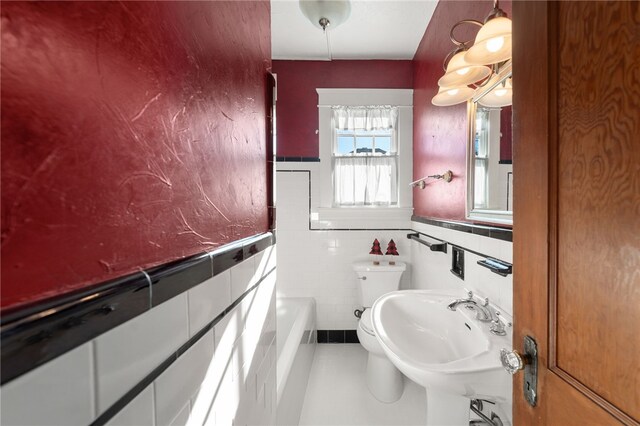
<point x="505" y="234"/>
<point x="33" y="335"/>
<point x="337" y="336"/>
<point x="177" y="277"/>
<point x="297" y="159"/>
<point x="114" y="409"/>
<point x="37" y="338"/>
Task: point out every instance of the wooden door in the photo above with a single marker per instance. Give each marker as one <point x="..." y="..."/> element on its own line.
<point x="576" y="82"/>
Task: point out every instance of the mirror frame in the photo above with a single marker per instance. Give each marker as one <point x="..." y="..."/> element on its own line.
<point x="501" y="217"/>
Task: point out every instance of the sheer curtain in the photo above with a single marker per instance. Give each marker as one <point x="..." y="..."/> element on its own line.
<point x="365" y="179"/>
<point x="365" y="118"/>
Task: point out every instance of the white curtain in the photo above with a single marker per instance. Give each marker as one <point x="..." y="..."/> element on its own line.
<point x="365" y="117"/>
<point x="365" y="180"/>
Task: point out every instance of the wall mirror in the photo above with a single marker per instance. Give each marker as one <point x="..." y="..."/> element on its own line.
<point x="489" y="159"/>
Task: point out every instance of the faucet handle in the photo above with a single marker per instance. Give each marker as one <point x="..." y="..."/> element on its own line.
<point x="486" y="302"/>
<point x="470" y="295"/>
<point x="497" y="326"/>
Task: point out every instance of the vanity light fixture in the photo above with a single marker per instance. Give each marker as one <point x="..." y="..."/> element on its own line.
<point x="326" y="14"/>
<point x="473" y="65"/>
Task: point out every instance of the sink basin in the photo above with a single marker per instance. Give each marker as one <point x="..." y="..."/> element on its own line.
<point x="445" y="351"/>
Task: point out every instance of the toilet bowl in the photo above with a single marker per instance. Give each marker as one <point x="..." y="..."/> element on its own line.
<point x="384" y="380"/>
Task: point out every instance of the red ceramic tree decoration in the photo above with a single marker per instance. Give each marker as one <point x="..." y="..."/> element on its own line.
<point x="392" y="250"/>
<point x="375" y="249"/>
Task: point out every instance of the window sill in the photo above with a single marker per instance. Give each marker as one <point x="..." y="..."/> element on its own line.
<point x="373" y="217"/>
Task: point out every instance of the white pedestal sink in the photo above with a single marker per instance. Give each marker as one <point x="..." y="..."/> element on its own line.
<point x="450" y="353"/>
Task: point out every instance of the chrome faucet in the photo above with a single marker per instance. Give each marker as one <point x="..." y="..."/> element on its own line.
<point x="482" y="312"/>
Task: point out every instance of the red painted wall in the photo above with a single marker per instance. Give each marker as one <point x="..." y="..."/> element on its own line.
<point x="297" y="106"/>
<point x="133" y="133"/>
<point x="440" y="133"/>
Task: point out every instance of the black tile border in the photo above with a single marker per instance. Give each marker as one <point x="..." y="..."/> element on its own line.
<point x="33" y="335"/>
<point x="337" y="336"/>
<point x="282" y="159"/>
<point x="505" y="234"/>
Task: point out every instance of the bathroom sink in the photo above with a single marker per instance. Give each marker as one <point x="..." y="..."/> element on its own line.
<point x="445" y="351"/>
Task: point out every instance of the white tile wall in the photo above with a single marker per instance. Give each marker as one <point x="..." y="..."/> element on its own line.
<point x="318" y="263"/>
<point x="182" y="379"/>
<point x="229" y="378"/>
<point x="60" y="392"/>
<point x="432" y="269"/>
<point x="127" y="353"/>
<point x="138" y="412"/>
<point x="208" y="300"/>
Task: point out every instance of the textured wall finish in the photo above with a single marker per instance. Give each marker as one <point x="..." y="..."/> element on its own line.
<point x="133" y="134"/>
<point x="440" y="133"/>
<point x="297" y="105"/>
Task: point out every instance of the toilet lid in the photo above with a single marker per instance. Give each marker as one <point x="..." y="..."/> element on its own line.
<point x="365" y="322"/>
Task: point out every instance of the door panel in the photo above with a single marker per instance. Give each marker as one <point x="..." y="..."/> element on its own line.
<point x="577" y="232"/>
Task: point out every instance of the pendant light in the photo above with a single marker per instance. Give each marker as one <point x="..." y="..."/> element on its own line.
<point x="326" y="13"/>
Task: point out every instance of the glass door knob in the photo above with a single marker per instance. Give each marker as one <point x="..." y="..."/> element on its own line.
<point x="511" y="361"/>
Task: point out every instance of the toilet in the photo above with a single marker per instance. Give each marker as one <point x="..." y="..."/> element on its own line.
<point x="384" y="380"/>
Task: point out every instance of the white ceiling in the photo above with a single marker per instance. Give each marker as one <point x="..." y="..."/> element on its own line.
<point x="376" y="29"/>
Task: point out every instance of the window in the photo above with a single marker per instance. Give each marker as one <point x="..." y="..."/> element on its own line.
<point x="481" y="156"/>
<point x="365" y="156"/>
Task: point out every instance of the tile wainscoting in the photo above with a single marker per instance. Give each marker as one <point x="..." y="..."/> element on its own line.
<point x="202" y="350"/>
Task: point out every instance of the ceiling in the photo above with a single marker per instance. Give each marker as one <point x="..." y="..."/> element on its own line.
<point x="376" y="29"/>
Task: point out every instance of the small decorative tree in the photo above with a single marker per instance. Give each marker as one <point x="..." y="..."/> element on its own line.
<point x="375" y="249"/>
<point x="392" y="250"/>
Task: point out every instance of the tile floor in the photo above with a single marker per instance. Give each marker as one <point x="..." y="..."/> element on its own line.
<point x="337" y="392"/>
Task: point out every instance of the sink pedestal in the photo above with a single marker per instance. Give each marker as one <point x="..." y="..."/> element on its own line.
<point x="447" y="410"/>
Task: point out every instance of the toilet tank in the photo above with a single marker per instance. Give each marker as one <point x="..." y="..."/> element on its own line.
<point x="376" y="280"/>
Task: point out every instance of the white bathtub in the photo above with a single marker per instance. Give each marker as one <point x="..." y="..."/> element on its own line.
<point x="296" y="343"/>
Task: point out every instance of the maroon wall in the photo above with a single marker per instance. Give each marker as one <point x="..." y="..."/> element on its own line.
<point x="440" y="133"/>
<point x="297" y="106"/>
<point x="133" y="133"/>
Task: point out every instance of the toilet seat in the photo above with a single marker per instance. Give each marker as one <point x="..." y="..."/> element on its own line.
<point x="365" y="323"/>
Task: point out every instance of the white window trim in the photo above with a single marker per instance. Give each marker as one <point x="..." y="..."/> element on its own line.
<point x="324" y="214"/>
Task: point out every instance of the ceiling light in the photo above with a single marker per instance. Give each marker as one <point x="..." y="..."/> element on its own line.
<point x="326" y="13"/>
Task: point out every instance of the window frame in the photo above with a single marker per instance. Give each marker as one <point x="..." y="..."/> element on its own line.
<point x="327" y="216"/>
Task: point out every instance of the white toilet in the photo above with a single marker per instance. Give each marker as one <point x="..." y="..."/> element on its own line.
<point x="384" y="380"/>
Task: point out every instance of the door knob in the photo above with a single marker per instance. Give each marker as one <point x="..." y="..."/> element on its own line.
<point x="511" y="361"/>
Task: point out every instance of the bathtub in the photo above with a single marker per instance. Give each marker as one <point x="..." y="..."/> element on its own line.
<point x="295" y="344"/>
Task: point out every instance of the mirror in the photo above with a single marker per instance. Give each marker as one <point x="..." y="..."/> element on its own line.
<point x="489" y="159"/>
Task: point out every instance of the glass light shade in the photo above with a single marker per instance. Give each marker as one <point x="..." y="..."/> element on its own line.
<point x="461" y="73"/>
<point x="492" y="44"/>
<point x="500" y="96"/>
<point x="448" y="96"/>
<point x="336" y="11"/>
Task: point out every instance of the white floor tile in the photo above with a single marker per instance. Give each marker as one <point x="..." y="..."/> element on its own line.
<point x="337" y="392"/>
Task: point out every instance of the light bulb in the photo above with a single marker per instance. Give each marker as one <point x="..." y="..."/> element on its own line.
<point x="463" y="71"/>
<point x="452" y="92"/>
<point x="500" y="92"/>
<point x="495" y="44"/>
